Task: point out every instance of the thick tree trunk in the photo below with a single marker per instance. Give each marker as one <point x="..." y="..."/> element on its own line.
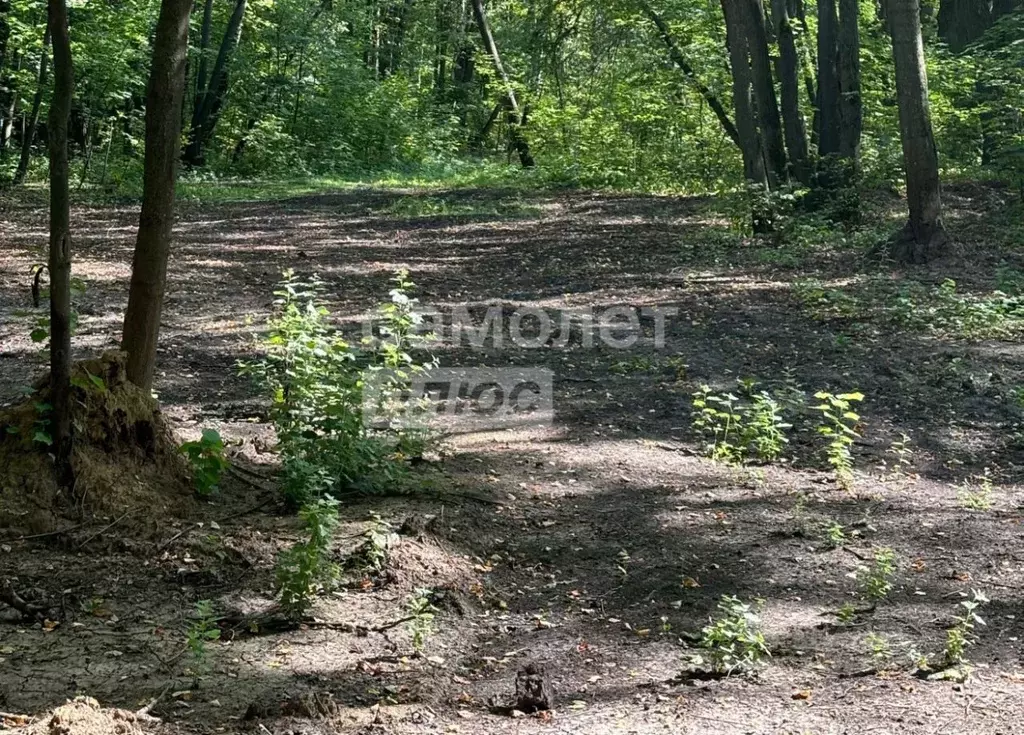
<point x="851" y="117"/>
<point x="924" y="237"/>
<point x="789" y="77"/>
<point x="60" y="243"/>
<point x="163" y="130"/>
<point x="679" y="60"/>
<point x="742" y="99"/>
<point x="516" y="117"/>
<point x="764" y="93"/>
<point x="754" y="166"/>
<point x="963" y="21"/>
<point x="206" y="114"/>
<point x="28" y="133"/>
<point x="828" y="102"/>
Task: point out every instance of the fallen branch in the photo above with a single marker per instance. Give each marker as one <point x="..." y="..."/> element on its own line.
<point x="275" y="621"/>
<point x="104" y="529"/>
<point x="857" y="674"/>
<point x="143" y="713"/>
<point x="10" y="597"/>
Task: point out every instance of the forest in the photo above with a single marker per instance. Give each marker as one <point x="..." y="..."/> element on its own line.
<point x="511" y="366"/>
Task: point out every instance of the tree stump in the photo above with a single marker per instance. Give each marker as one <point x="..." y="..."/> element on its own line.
<point x="533" y="690"/>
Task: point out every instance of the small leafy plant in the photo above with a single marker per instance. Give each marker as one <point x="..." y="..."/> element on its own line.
<point x="875" y="580"/>
<point x="316" y="380"/>
<point x="206" y="455"/>
<point x="740" y="428"/>
<point x="902" y="453"/>
<point x="976" y="495"/>
<point x="835" y="535"/>
<point x="838" y="425"/>
<point x="733" y="640"/>
<point x="306" y="569"/>
<point x="962" y="635"/>
<point x="422" y="612"/>
<point x="202" y="629"/>
<point x="878" y="647"/>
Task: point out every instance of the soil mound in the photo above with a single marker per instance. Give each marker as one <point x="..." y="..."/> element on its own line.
<point x="124" y="456"/>
<point x="84" y="716"/>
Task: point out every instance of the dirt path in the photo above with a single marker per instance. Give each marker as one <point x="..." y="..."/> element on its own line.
<point x="604" y="536"/>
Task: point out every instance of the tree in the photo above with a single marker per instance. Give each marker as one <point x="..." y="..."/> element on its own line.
<point x="680" y="60"/>
<point x="964" y="21"/>
<point x="516" y="119"/>
<point x="210" y="99"/>
<point x="764" y="93"/>
<point x="29" y="125"/>
<point x="163" y="131"/>
<point x="924" y="237"/>
<point x="789" y="83"/>
<point x="59" y="265"/>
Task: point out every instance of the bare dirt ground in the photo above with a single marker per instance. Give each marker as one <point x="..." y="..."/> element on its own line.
<point x="589" y="545"/>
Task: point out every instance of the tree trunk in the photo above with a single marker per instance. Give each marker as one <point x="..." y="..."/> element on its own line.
<point x="204" y="57"/>
<point x="828" y="102"/>
<point x="60" y="243"/>
<point x="206" y="114"/>
<point x="963" y="21"/>
<point x="851" y="116"/>
<point x="10" y="104"/>
<point x="750" y="139"/>
<point x="789" y="77"/>
<point x="677" y="57"/>
<point x="764" y="93"/>
<point x="754" y="170"/>
<point x="516" y="117"/>
<point x="163" y="130"/>
<point x="924" y="237"/>
<point x="28" y="133"/>
<point x="393" y="38"/>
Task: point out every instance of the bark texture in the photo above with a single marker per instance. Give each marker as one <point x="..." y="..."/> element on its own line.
<point x="163" y="131"/>
<point x="60" y="243"/>
<point x="924" y="237"/>
<point x="789" y="78"/>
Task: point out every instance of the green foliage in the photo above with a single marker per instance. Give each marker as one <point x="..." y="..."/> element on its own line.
<point x="733" y="640"/>
<point x="206" y="455"/>
<point x="422" y="611"/>
<point x="839" y="427"/>
<point x="202" y="629"/>
<point x="316" y="380"/>
<point x="835" y="535"/>
<point x="738" y="428"/>
<point x="878" y="647"/>
<point x="40" y="333"/>
<point x="306" y="569"/>
<point x="902" y="452"/>
<point x="961" y="634"/>
<point x="846" y="614"/>
<point x="41" y="424"/>
<point x="875" y="580"/>
<point x="943" y="309"/>
<point x="977" y="493"/>
<point x="825" y="303"/>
